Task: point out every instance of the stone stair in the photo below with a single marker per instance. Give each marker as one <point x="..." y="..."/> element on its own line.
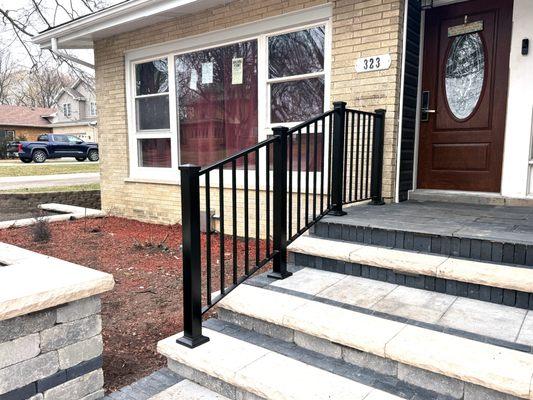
<point x="365" y="320"/>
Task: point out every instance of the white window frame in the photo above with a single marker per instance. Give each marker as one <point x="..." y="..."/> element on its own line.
<point x="67" y="110"/>
<point x="260" y="31"/>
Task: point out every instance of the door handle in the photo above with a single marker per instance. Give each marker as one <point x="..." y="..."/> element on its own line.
<point x="430" y="111"/>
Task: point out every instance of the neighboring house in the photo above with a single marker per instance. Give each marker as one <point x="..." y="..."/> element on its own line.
<point x="165" y="100"/>
<point x="76" y="111"/>
<point x="24" y="122"/>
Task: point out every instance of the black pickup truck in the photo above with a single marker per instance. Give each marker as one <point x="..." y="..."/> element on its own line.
<point x="57" y="146"/>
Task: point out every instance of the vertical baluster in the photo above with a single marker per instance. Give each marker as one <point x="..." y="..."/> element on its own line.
<point x="267" y="205"/>
<point x="346" y="145"/>
<point x="307" y="168"/>
<point x="337" y="172"/>
<point x="289" y="217"/>
<point x="363" y="138"/>
<point x="208" y="237"/>
<point x="234" y="217"/>
<point x="257" y="211"/>
<point x="322" y="162"/>
<point x="367" y="180"/>
<point x="299" y="183"/>
<point x="221" y="235"/>
<point x="315" y="169"/>
<point x="330" y="157"/>
<point x="352" y="140"/>
<point x="357" y="161"/>
<point x="246" y="215"/>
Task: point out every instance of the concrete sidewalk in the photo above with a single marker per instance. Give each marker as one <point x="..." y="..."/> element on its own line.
<point x="27" y="182"/>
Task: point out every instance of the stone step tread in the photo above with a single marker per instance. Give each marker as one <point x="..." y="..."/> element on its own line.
<point x="412" y="262"/>
<point x="264" y="373"/>
<point x="474" y="319"/>
<point x="188" y="390"/>
<point x="494" y="367"/>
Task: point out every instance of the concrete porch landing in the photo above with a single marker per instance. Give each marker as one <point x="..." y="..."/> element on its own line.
<point x="485" y="222"/>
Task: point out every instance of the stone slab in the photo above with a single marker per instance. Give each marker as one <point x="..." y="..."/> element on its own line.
<point x="26" y="372"/>
<point x="71" y="332"/>
<point x="42" y="282"/>
<point x="77" y="388"/>
<point x="78" y="309"/>
<point x="493" y="320"/>
<point x="261" y="372"/>
<point x="76" y="353"/>
<point x="497" y="368"/>
<point x="187" y="390"/>
<point x="19" y="350"/>
<point x="310" y="281"/>
<point x="526" y="332"/>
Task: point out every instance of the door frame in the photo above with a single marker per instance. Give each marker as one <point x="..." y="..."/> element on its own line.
<point x="437" y="3"/>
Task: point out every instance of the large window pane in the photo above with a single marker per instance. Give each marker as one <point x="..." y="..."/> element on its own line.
<point x="296" y="100"/>
<point x="217" y="101"/>
<point x="296" y="53"/>
<point x="152" y="113"/>
<point x="154" y="153"/>
<point x="152" y="77"/>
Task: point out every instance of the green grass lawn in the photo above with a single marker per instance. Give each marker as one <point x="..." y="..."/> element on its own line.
<point x="55" y="189"/>
<point x="47" y="169"/>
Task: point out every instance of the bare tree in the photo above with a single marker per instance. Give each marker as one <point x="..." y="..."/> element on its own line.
<point x="40" y="86"/>
<point x="8" y="75"/>
<point x="22" y="20"/>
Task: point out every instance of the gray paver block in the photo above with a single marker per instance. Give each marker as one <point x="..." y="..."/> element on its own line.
<point x="71" y="332"/>
<point x="79" y="309"/>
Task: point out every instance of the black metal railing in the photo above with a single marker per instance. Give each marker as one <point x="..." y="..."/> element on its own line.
<point x="282" y="186"/>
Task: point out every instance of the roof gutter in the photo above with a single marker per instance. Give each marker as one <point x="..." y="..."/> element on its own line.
<point x="67" y="56"/>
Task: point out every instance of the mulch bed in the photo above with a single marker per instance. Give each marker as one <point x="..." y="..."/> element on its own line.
<point x="146" y="304"/>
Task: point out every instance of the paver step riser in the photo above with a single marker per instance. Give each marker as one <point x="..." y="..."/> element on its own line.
<point x="474" y="249"/>
<point x="496" y="295"/>
<point x="211" y="382"/>
<point x="425" y="380"/>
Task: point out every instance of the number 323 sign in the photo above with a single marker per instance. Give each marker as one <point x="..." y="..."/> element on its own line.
<point x="374" y="63"/>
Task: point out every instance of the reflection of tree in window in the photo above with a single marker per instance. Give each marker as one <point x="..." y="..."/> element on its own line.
<point x="152" y="77"/>
<point x="292" y="55"/>
<point x="220" y="118"/>
<point x="296" y="53"/>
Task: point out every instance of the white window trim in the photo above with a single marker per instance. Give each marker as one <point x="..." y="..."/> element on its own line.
<point x="260" y="31"/>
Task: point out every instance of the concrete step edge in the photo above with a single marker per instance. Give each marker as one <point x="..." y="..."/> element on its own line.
<point x="411" y="262"/>
<point x="188" y="390"/>
<point x="232" y="364"/>
<point x="493" y="367"/>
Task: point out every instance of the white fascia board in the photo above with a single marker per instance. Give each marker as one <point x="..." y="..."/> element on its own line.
<point x="80" y="33"/>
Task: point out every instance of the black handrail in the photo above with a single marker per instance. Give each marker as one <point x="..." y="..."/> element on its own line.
<point x="317" y="167"/>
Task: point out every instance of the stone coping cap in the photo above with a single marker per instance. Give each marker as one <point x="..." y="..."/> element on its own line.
<point x="31" y="282"/>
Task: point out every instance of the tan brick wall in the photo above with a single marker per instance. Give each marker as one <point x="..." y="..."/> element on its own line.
<point x="28" y="132"/>
<point x="360" y="28"/>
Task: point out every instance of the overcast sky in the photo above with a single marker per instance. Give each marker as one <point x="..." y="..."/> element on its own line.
<point x="17" y="50"/>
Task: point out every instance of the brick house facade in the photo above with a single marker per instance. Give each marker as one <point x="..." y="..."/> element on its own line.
<point x="355" y="29"/>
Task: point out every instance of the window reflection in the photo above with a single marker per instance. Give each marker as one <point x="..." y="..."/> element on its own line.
<point x="296" y="100"/>
<point x="217" y="102"/>
<point x="152" y="77"/>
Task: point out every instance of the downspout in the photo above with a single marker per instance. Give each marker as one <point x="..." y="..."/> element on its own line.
<point x="66" y="56"/>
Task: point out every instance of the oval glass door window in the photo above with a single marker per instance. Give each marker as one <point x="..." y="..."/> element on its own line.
<point x="465" y="73"/>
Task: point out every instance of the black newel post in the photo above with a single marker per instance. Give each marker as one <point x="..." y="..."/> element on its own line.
<point x="192" y="271"/>
<point x="377" y="158"/>
<point x="279" y="269"/>
<point x="337" y="163"/>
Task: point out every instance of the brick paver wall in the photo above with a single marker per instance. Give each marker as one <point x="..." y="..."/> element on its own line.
<point x="360" y="28"/>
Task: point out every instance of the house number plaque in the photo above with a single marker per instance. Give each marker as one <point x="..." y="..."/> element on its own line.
<point x="374" y="63"/>
<point x="465" y="29"/>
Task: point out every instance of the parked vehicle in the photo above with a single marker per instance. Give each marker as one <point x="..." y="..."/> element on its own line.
<point x="51" y="145"/>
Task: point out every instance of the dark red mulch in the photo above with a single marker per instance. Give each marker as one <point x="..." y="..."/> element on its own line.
<point x="146" y="304"/>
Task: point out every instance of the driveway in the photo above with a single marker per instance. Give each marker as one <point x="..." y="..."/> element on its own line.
<point x="27" y="182"/>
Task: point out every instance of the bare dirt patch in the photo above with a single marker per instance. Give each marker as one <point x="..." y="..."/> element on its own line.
<point x="146" y="304"/>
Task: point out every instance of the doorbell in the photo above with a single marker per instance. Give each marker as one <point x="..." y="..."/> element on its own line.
<point x="525" y="47"/>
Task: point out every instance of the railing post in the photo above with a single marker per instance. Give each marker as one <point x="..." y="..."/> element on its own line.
<point x="377" y="158"/>
<point x="279" y="269"/>
<point x="192" y="264"/>
<point x="337" y="163"/>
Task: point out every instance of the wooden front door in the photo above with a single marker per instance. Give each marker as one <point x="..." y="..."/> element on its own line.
<point x="464" y="91"/>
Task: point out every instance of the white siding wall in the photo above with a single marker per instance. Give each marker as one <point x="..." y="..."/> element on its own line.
<point x="520" y="106"/>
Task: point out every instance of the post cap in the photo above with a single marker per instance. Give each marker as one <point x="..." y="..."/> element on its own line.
<point x="380" y="111"/>
<point x="339" y="104"/>
<point x="280" y="130"/>
<point x="193" y="167"/>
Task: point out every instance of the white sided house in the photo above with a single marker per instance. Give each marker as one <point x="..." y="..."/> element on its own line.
<point x="76" y="111"/>
<point x="375" y="156"/>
